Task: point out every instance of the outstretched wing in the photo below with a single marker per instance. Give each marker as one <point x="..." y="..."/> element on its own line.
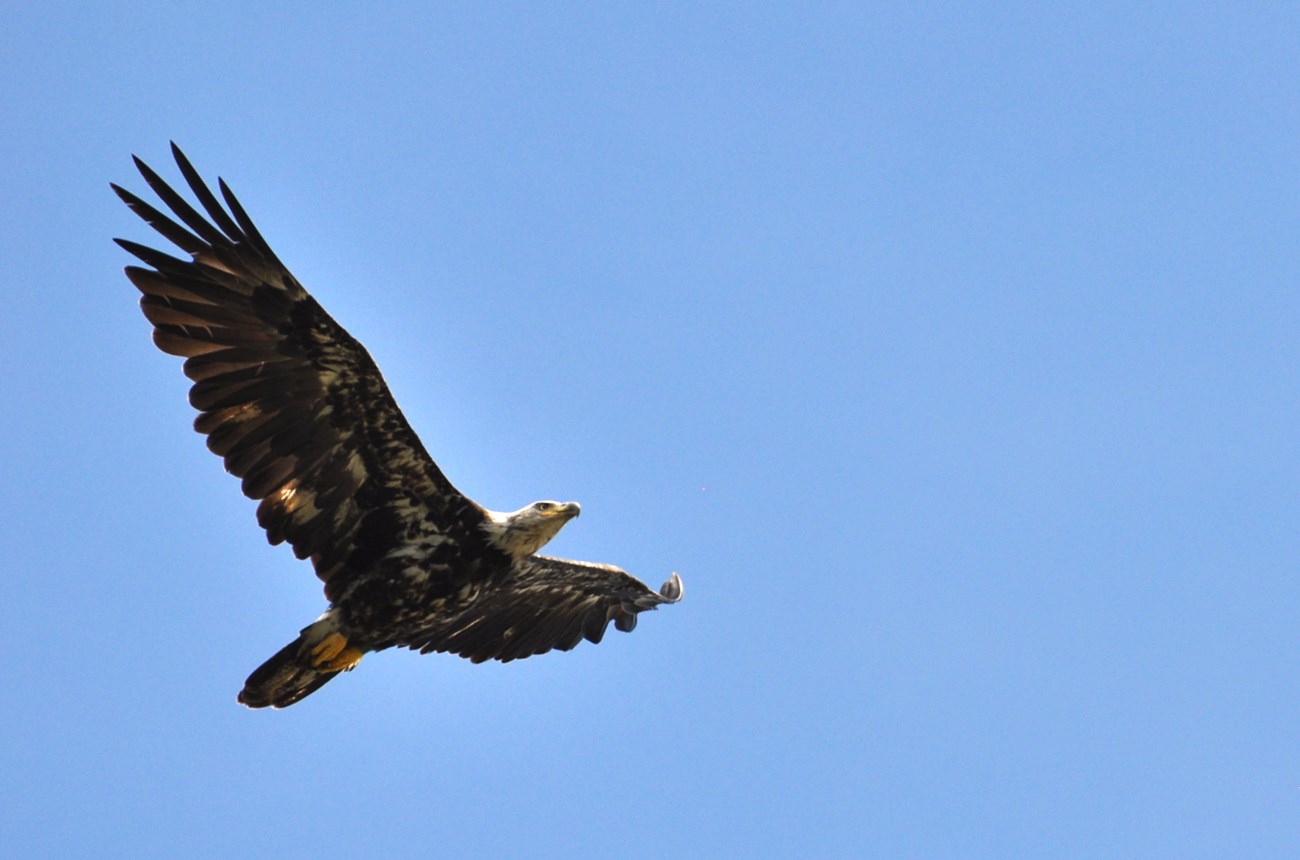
<point x="292" y="403"/>
<point x="545" y="603"/>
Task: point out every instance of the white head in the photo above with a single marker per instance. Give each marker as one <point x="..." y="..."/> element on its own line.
<point x="525" y="531"/>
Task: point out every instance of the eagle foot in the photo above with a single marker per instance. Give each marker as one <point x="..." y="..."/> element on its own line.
<point x="334" y="654"/>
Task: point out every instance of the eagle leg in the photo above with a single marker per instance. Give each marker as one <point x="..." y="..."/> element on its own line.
<point x="334" y="654"/>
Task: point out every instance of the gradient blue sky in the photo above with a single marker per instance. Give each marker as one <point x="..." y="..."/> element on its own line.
<point x="950" y="352"/>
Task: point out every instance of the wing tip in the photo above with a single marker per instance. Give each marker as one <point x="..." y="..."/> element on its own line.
<point x="672" y="590"/>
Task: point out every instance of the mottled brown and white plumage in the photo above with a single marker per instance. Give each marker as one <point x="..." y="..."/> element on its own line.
<point x="299" y="411"/>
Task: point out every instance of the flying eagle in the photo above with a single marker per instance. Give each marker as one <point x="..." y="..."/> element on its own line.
<point x="299" y="411"/>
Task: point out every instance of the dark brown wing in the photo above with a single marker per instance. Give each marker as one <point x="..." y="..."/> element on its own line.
<point x="545" y="603"/>
<point x="288" y="399"/>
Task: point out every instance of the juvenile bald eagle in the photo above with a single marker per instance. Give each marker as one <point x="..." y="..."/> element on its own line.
<point x="299" y="411"/>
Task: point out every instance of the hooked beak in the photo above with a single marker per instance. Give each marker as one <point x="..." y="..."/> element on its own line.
<point x="571" y="509"/>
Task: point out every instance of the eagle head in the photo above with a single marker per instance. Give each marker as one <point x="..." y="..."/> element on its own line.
<point x="525" y="531"/>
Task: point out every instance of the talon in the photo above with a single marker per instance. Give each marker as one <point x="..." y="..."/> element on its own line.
<point x="334" y="654"/>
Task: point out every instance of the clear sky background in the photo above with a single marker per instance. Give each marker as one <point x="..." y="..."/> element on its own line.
<point x="950" y="352"/>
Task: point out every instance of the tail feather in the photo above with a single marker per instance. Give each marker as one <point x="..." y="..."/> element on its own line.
<point x="285" y="678"/>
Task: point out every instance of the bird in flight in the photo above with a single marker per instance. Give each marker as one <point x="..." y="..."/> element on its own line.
<point x="300" y="413"/>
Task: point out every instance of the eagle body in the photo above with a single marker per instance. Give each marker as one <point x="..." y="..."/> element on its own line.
<point x="300" y="413"/>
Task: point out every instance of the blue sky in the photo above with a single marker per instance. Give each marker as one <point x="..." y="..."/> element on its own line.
<point x="949" y="352"/>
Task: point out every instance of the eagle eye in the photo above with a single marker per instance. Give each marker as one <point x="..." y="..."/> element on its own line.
<point x="543" y="506"/>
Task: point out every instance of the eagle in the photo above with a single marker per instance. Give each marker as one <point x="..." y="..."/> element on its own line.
<point x="298" y="410"/>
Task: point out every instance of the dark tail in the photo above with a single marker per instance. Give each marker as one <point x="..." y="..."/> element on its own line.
<point x="285" y="678"/>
